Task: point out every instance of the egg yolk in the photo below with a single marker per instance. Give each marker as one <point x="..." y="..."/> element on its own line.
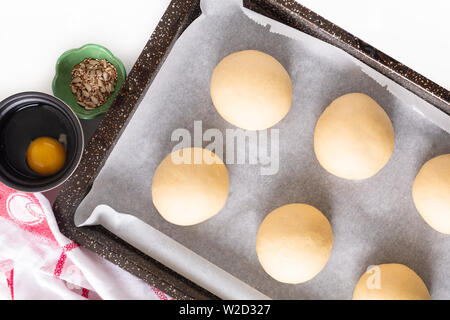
<point x="45" y="155"/>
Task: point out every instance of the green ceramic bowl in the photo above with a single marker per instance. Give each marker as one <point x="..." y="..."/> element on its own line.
<point x="63" y="76"/>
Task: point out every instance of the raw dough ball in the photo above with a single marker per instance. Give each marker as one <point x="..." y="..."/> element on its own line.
<point x="390" y="282"/>
<point x="251" y="90"/>
<point x="431" y="193"/>
<point x="294" y="243"/>
<point x="354" y="137"/>
<point x="192" y="191"/>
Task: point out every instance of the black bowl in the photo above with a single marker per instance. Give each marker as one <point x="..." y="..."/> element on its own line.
<point x="29" y="115"/>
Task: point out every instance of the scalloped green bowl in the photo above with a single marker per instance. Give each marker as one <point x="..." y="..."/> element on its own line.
<point x="64" y="66"/>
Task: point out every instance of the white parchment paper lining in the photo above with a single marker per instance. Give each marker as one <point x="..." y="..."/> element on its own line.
<point x="374" y="221"/>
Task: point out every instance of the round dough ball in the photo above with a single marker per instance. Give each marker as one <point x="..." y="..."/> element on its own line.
<point x="190" y="186"/>
<point x="390" y="282"/>
<point x="431" y="193"/>
<point x="354" y="137"/>
<point x="294" y="243"/>
<point x="251" y="90"/>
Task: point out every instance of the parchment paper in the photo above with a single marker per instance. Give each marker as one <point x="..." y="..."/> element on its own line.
<point x="374" y="221"/>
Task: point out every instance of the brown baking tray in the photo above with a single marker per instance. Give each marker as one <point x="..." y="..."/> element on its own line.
<point x="178" y="16"/>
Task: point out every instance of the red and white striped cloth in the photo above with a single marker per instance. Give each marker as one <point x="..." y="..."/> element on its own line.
<point x="38" y="262"/>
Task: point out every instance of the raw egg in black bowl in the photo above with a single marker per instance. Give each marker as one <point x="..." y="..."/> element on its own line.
<point x="41" y="141"/>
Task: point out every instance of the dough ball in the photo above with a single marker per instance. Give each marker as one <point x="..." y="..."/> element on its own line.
<point x="251" y="90"/>
<point x="190" y="186"/>
<point x="294" y="243"/>
<point x="431" y="193"/>
<point x="390" y="282"/>
<point x="354" y="137"/>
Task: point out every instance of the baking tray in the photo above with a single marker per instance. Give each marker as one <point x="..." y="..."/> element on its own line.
<point x="178" y="16"/>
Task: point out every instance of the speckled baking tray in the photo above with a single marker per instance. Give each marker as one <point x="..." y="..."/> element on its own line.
<point x="177" y="17"/>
